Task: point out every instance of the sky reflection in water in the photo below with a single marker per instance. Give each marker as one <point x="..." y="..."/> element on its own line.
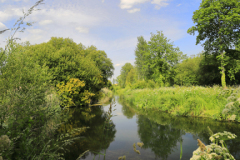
<point x="160" y="133"/>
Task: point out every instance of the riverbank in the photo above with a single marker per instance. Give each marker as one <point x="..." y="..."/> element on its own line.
<point x="105" y="96"/>
<point x="210" y="102"/>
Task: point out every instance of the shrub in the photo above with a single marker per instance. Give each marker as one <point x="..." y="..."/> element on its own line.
<point x="139" y="85"/>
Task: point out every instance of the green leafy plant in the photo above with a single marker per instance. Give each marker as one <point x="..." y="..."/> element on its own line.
<point x="216" y="150"/>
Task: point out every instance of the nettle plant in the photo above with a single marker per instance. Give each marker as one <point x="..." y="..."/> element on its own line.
<point x="216" y="150"/>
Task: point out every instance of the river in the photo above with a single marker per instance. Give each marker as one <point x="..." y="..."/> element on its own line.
<point x="161" y="133"/>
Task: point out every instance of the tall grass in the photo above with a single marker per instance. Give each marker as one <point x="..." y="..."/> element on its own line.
<point x="187" y="101"/>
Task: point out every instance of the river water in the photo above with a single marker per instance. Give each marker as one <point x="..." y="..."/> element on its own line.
<point x="161" y="133"/>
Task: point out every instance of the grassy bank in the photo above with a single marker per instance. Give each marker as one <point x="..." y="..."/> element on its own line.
<point x="212" y="102"/>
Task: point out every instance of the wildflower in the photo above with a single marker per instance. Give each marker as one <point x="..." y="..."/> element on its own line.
<point x="211" y="139"/>
<point x="229" y="105"/>
<point x="201" y="145"/>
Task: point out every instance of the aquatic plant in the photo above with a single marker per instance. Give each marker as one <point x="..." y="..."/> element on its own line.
<point x="135" y="149"/>
<point x="140" y="144"/>
<point x="122" y="158"/>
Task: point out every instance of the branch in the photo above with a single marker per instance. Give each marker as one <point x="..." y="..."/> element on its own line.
<point x="19" y="22"/>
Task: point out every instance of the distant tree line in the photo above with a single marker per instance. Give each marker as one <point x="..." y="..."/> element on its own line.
<point x="158" y="62"/>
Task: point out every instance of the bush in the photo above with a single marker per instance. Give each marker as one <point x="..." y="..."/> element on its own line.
<point x="151" y="84"/>
<point x="139" y="85"/>
<point x="29" y="108"/>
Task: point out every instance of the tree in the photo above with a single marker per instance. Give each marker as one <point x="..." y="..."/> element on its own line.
<point x="65" y="60"/>
<point x="124" y="72"/>
<point x="187" y="71"/>
<point x="218" y="26"/>
<point x="131" y="76"/>
<point x="102" y="62"/>
<point x="161" y="59"/>
<point x="140" y="52"/>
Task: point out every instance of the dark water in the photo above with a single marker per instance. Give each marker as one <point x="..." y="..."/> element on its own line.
<point x="160" y="133"/>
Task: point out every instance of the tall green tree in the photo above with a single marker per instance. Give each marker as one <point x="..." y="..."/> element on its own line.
<point x="161" y="59"/>
<point x="217" y="24"/>
<point x="140" y="52"/>
<point x="123" y="75"/>
<point x="131" y="76"/>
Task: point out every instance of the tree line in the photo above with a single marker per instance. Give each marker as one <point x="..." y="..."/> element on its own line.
<point x="159" y="63"/>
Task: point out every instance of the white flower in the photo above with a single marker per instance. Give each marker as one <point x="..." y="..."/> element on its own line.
<point x="211" y="139"/>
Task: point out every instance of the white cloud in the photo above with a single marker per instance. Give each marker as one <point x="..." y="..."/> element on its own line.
<point x="4" y="35"/>
<point x="119" y="64"/>
<point x="2" y="26"/>
<point x="45" y="22"/>
<point x="102" y="1"/>
<point x="179" y="5"/>
<point x="124" y="62"/>
<point x="127" y="4"/>
<point x="134" y="10"/>
<point x="35" y="31"/>
<point x="160" y="3"/>
<point x="82" y="29"/>
<point x="10" y="13"/>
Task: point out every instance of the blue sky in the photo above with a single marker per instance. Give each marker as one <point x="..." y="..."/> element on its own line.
<point x="110" y="25"/>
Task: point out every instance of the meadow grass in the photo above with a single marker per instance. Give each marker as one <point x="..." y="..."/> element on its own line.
<point x="193" y="101"/>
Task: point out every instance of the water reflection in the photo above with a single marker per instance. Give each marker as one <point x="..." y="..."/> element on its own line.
<point x="128" y="111"/>
<point x="161" y="132"/>
<point x="161" y="139"/>
<point x="96" y="138"/>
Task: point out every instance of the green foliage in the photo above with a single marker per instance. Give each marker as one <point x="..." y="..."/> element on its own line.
<point x="109" y="85"/>
<point x="161" y="59"/>
<point x="25" y="107"/>
<point x="181" y="101"/>
<point x="29" y="102"/>
<point x="139" y="85"/>
<point x="121" y="79"/>
<point x="131" y="77"/>
<point x="140" y="52"/>
<point x="216" y="150"/>
<point x="69" y="93"/>
<point x="65" y="59"/>
<point x="232" y="108"/>
<point x="217" y="25"/>
<point x="156" y="60"/>
<point x="187" y="71"/>
<point x="104" y="64"/>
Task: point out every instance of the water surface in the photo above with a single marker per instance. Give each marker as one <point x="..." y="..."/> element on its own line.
<point x="160" y="133"/>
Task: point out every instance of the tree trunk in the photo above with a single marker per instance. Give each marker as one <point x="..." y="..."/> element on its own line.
<point x="223" y="78"/>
